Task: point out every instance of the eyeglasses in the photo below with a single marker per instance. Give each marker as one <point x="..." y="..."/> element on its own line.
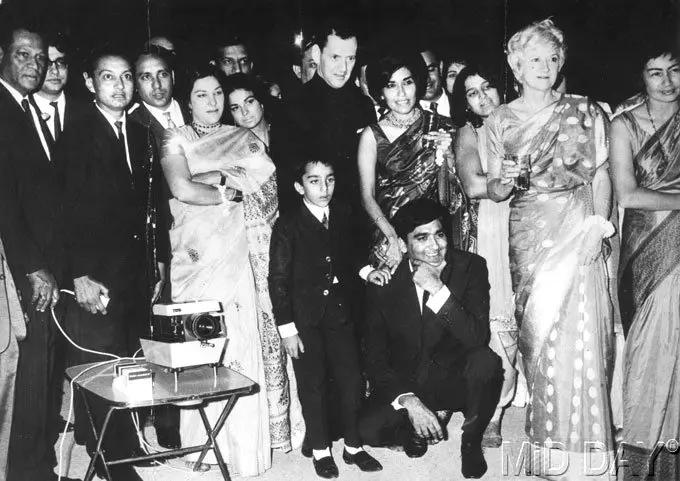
<point x="60" y="63"/>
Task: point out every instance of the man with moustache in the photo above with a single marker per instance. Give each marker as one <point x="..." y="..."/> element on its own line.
<point x="106" y="162"/>
<point x="28" y="228"/>
<point x="157" y="111"/>
<point x="434" y="92"/>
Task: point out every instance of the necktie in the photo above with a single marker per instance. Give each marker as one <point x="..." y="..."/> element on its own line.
<point x="426" y="296"/>
<point x="433" y="107"/>
<point x="324" y="220"/>
<point x="121" y="143"/>
<point x="57" y="120"/>
<point x="27" y="110"/>
<point x="171" y="124"/>
<point x="49" y="140"/>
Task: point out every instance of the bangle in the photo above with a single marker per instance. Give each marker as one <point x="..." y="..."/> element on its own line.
<point x="237" y="196"/>
<point x="222" y="189"/>
<point x="377" y="219"/>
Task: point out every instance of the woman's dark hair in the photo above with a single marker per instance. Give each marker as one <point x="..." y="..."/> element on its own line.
<point x="379" y="72"/>
<point x="241" y="81"/>
<point x="188" y="77"/>
<point x="656" y="44"/>
<point x="460" y="113"/>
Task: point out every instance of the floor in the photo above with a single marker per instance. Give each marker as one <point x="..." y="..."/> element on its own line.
<point x="442" y="462"/>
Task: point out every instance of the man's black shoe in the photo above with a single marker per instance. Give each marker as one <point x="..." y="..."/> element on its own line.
<point x="326" y="467"/>
<point x="123" y="472"/>
<point x="473" y="462"/>
<point x="168" y="438"/>
<point x="363" y="460"/>
<point x="415" y="446"/>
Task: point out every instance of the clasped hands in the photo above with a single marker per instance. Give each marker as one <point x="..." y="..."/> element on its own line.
<point x="442" y="141"/>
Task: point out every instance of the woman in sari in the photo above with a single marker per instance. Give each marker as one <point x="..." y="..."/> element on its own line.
<point x="399" y="158"/>
<point x="557" y="228"/>
<point x="223" y="206"/>
<point x="475" y="96"/>
<point x="645" y="157"/>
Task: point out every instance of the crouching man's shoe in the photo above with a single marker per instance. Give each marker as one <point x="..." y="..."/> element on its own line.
<point x="363" y="460"/>
<point x="473" y="462"/>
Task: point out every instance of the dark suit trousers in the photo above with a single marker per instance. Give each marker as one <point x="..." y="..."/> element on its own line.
<point x="330" y="347"/>
<point x="117" y="333"/>
<point x="31" y="450"/>
<point x="471" y="385"/>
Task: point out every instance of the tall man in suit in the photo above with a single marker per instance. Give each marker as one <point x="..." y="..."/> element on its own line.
<point x="57" y="110"/>
<point x="107" y="162"/>
<point x="427" y="342"/>
<point x="157" y="111"/>
<point x="28" y="227"/>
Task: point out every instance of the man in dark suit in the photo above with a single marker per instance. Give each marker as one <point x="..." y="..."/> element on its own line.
<point x="107" y="163"/>
<point x="427" y="342"/>
<point x="28" y="227"/>
<point x="323" y="121"/>
<point x="310" y="268"/>
<point x="157" y="111"/>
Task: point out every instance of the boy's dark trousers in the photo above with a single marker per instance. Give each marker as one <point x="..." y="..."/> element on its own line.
<point x="330" y="349"/>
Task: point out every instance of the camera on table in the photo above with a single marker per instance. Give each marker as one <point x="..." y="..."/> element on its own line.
<point x="188" y="321"/>
<point x="186" y="334"/>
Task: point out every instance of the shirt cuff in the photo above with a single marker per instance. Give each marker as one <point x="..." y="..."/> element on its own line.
<point x="437" y="300"/>
<point x="365" y="271"/>
<point x="396" y="405"/>
<point x="288" y="330"/>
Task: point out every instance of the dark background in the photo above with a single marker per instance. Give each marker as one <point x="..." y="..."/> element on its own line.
<point x="602" y="36"/>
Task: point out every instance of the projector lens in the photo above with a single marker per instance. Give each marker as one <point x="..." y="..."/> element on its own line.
<point x="203" y="326"/>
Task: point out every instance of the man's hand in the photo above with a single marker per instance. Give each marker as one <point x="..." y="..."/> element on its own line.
<point x="380" y="276"/>
<point x="425" y="422"/>
<point x="44" y="288"/>
<point x="158" y="288"/>
<point x="293" y="346"/>
<point x="87" y="292"/>
<point x="427" y="276"/>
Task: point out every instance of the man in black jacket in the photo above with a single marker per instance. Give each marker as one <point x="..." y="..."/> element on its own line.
<point x="28" y="227"/>
<point x="427" y="342"/>
<point x="107" y="162"/>
<point x="324" y="120"/>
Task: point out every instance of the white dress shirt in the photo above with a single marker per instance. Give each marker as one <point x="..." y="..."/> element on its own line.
<point x="48" y="110"/>
<point x="159" y="114"/>
<point x="443" y="107"/>
<point x="112" y="121"/>
<point x="36" y="121"/>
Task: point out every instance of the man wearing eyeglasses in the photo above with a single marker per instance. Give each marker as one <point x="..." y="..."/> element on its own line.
<point x="56" y="109"/>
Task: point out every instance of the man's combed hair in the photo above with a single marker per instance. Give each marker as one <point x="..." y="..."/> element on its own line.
<point x="337" y="25"/>
<point x="416" y="213"/>
<point x="101" y="51"/>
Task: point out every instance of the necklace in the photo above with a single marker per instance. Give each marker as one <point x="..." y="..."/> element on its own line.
<point x="651" y="118"/>
<point x="402" y="123"/>
<point x="203" y="129"/>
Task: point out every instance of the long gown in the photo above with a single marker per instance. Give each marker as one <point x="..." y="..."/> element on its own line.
<point x="649" y="294"/>
<point x="562" y="309"/>
<point x="221" y="252"/>
<point x="406" y="170"/>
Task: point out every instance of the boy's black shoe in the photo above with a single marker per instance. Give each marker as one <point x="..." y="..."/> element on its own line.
<point x="326" y="467"/>
<point x="363" y="460"/>
<point x="473" y="462"/>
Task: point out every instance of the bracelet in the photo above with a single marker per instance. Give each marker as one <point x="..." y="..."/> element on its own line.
<point x="222" y="189"/>
<point x="237" y="196"/>
<point x="377" y="219"/>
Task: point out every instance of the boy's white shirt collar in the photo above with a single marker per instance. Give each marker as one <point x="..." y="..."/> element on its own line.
<point x="317" y="211"/>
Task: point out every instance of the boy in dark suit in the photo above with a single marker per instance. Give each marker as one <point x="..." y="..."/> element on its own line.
<point x="309" y="274"/>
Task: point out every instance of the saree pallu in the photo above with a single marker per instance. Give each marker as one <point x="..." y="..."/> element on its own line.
<point x="222" y="252"/>
<point x="649" y="294"/>
<point x="562" y="309"/>
<point x="406" y="170"/>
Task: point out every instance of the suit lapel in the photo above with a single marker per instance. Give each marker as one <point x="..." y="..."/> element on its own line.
<point x="108" y="148"/>
<point x="406" y="307"/>
<point x="20" y="115"/>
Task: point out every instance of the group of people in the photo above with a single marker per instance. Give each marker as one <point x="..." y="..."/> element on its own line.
<point x="385" y="252"/>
